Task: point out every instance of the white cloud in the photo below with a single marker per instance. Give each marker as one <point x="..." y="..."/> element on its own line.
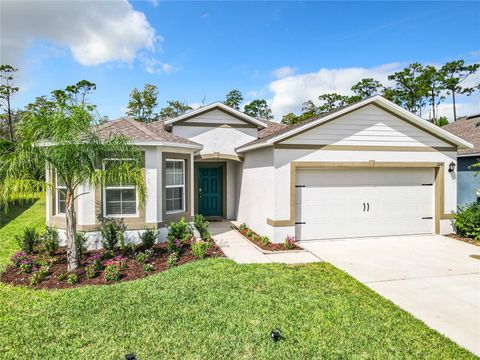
<point x="155" y="66"/>
<point x="289" y="93"/>
<point x="96" y="32"/>
<point x="283" y="72"/>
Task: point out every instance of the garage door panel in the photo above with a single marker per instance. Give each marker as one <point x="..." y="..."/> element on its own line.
<point x="363" y="202"/>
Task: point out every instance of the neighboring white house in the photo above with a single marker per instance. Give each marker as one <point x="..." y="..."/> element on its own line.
<point x="369" y="169"/>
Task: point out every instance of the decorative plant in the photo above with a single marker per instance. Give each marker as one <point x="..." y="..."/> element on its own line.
<point x="118" y="261"/>
<point x="175" y="245"/>
<point x="51" y="240"/>
<point x="179" y="230"/>
<point x="38" y="276"/>
<point x="72" y="279"/>
<point x="111" y="273"/>
<point x="148" y="238"/>
<point x="27" y="240"/>
<point x="142" y="258"/>
<point x="95" y="261"/>
<point x="91" y="272"/>
<point x="202" y="226"/>
<point x="248" y="233"/>
<point x="172" y="259"/>
<point x="289" y="242"/>
<point x="265" y="240"/>
<point x="467" y="221"/>
<point x="17" y="258"/>
<point x="148" y="268"/>
<point x="62" y="276"/>
<point x="110" y="236"/>
<point x="243" y="227"/>
<point x="26" y="265"/>
<point x="81" y="244"/>
<point x="200" y="249"/>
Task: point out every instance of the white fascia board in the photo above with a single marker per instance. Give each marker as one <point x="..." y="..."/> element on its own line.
<point x="169" y="144"/>
<point x="224" y="107"/>
<point x="468" y="155"/>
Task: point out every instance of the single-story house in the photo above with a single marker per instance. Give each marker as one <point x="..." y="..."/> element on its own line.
<point x="369" y="169"/>
<point x="468" y="182"/>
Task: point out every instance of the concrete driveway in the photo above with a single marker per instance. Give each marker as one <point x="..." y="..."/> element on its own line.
<point x="433" y="277"/>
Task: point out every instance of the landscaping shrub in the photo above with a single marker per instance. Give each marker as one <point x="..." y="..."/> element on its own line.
<point x="111" y="236"/>
<point x="265" y="240"/>
<point x="243" y="227"/>
<point x="95" y="261"/>
<point x="62" y="276"/>
<point x="200" y="249"/>
<point x="17" y="258"/>
<point x="175" y="246"/>
<point x="72" y="279"/>
<point x="202" y="226"/>
<point x="148" y="238"/>
<point x="148" y="268"/>
<point x="111" y="273"/>
<point x="118" y="261"/>
<point x="249" y="232"/>
<point x="467" y="221"/>
<point x="172" y="259"/>
<point x="91" y="272"/>
<point x="51" y="240"/>
<point x="26" y="266"/>
<point x="142" y="257"/>
<point x="38" y="276"/>
<point x="81" y="243"/>
<point x="289" y="242"/>
<point x="27" y="240"/>
<point x="179" y="230"/>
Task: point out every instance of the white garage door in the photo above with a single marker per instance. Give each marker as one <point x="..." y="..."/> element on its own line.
<point x="363" y="202"/>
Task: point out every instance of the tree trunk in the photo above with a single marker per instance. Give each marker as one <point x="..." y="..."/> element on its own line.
<point x="72" y="256"/>
<point x="433" y="108"/>
<point x="454" y="107"/>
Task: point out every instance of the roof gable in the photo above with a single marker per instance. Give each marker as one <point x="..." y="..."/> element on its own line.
<point x="468" y="129"/>
<point x="377" y="100"/>
<point x="215" y="111"/>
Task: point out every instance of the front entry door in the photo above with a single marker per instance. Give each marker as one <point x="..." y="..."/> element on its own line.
<point x="210" y="191"/>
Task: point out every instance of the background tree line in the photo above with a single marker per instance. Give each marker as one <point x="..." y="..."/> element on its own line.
<point x="417" y="88"/>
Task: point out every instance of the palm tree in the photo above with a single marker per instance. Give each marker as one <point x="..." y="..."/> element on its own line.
<point x="59" y="134"/>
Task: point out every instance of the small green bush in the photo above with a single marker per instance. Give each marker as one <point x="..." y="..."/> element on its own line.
<point x="62" y="276"/>
<point x="467" y="221"/>
<point x="249" y="233"/>
<point x="81" y="244"/>
<point x="26" y="266"/>
<point x="202" y="226"/>
<point x="148" y="268"/>
<point x="91" y="272"/>
<point x="38" y="276"/>
<point x="72" y="279"/>
<point x="243" y="227"/>
<point x="172" y="259"/>
<point x="112" y="235"/>
<point x="111" y="273"/>
<point x="200" y="249"/>
<point x="148" y="238"/>
<point x="142" y="257"/>
<point x="265" y="240"/>
<point x="179" y="230"/>
<point x="289" y="242"/>
<point x="51" y="240"/>
<point x="27" y="240"/>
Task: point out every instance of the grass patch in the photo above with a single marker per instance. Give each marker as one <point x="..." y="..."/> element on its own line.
<point x="212" y="309"/>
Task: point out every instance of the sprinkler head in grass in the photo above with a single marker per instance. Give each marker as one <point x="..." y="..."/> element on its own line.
<point x="130" y="357"/>
<point x="276" y="335"/>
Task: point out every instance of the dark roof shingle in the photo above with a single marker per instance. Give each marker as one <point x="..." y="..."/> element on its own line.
<point x="468" y="129"/>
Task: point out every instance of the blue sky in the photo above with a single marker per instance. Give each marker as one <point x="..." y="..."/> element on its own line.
<point x="285" y="52"/>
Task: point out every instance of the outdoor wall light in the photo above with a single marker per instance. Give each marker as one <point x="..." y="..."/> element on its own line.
<point x="451" y="167"/>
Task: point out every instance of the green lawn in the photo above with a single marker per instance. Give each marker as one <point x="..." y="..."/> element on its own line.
<point x="211" y="309"/>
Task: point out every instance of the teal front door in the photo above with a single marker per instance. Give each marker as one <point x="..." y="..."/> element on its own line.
<point x="210" y="191"/>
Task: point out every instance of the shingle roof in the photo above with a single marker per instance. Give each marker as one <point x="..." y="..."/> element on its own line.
<point x="469" y="129"/>
<point x="138" y="131"/>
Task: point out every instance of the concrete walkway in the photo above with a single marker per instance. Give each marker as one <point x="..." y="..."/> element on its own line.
<point x="237" y="248"/>
<point x="435" y="278"/>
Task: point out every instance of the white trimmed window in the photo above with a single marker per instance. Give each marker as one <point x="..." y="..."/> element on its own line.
<point x="175" y="185"/>
<point x="120" y="198"/>
<point x="61" y="195"/>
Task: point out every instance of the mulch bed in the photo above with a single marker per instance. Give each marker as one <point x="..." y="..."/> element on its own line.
<point x="464" y="239"/>
<point x="134" y="269"/>
<point x="270" y="246"/>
